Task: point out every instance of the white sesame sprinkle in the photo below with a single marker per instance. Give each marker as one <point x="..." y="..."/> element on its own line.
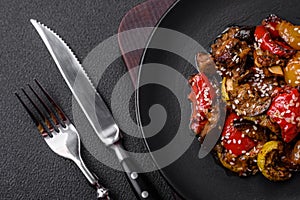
<point x="239" y="141"/>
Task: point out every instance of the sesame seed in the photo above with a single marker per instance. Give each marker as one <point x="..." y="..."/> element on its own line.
<point x="231" y="163"/>
<point x="247" y="131"/>
<point x="234" y="141"/>
<point x="254" y="127"/>
<point x="243" y="135"/>
<point x="229" y="141"/>
<point x="296" y="29"/>
<point x="239" y="141"/>
<point x="243" y="152"/>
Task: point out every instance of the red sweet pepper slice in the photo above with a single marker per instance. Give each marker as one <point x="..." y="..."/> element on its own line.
<point x="201" y="97"/>
<point x="285" y="111"/>
<point x="266" y="43"/>
<point x="271" y="23"/>
<point x="233" y="139"/>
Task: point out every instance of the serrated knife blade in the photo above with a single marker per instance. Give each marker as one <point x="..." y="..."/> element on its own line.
<point x="94" y="108"/>
<point x="81" y="86"/>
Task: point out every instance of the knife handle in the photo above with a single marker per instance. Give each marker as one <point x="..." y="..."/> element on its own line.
<point x="143" y="188"/>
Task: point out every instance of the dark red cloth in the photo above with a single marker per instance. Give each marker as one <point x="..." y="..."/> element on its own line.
<point x="146" y="14"/>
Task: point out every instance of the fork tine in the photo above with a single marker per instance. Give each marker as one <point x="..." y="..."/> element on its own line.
<point x="52" y="116"/>
<point x="39" y="125"/>
<point x="46" y="121"/>
<point x="57" y="108"/>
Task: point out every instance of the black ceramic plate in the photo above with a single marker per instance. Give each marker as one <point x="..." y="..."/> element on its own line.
<point x="191" y="177"/>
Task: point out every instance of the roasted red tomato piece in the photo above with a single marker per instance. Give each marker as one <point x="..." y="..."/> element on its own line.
<point x="234" y="140"/>
<point x="285" y="111"/>
<point x="266" y="43"/>
<point x="201" y="98"/>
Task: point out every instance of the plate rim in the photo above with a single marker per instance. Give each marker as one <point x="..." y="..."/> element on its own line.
<point x="138" y="116"/>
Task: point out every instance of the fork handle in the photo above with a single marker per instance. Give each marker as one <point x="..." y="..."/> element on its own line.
<point x="139" y="182"/>
<point x="102" y="192"/>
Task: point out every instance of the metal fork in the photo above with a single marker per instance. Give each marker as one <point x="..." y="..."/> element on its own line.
<point x="60" y="134"/>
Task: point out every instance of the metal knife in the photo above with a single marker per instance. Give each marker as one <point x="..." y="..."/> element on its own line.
<point x="94" y="108"/>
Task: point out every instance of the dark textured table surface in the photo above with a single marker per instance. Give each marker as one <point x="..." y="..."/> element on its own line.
<point x="28" y="168"/>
